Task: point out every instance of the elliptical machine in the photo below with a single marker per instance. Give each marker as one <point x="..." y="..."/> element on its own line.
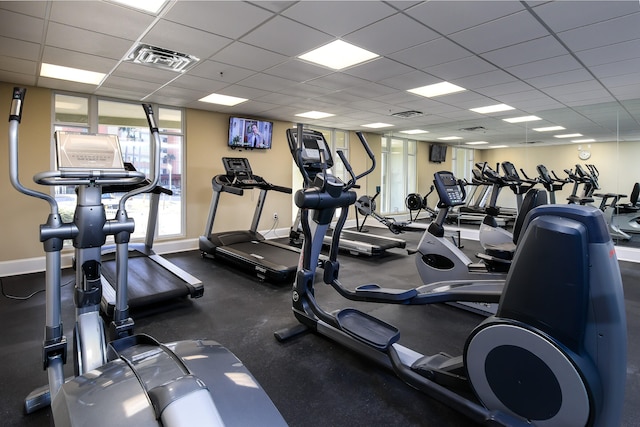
<point x="132" y="380"/>
<point x="554" y="354"/>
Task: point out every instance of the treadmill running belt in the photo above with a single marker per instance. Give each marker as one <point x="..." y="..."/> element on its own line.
<point x="149" y="283"/>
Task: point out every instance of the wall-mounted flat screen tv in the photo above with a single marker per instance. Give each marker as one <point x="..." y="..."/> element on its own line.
<point x="249" y="133"/>
<point x="438" y="153"/>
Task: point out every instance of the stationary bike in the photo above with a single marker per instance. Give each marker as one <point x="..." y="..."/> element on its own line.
<point x="132" y="380"/>
<point x="554" y="354"/>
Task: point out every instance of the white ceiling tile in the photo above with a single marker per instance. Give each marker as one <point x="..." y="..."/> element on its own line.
<point x="172" y="36"/>
<point x="430" y="54"/>
<point x="469" y="66"/>
<point x="17" y="78"/>
<point x="560" y="79"/>
<point x="449" y="18"/>
<point x="287" y="37"/>
<point x="220" y="72"/>
<point x="218" y="17"/>
<point x="37" y="9"/>
<point x="336" y="81"/>
<point x="267" y="82"/>
<point x="70" y="58"/>
<point x="89" y="15"/>
<point x="512" y="29"/>
<point x="545" y="67"/>
<point x="378" y="69"/>
<point x="391" y="35"/>
<point x="527" y="52"/>
<point x="565" y="15"/>
<point x="338" y="18"/>
<point x="19" y="49"/>
<point x="85" y="41"/>
<point x="610" y="53"/>
<point x="247" y="56"/>
<point x="603" y="34"/>
<point x="490" y="78"/>
<point x="298" y="70"/>
<point x="144" y="73"/>
<point x="19" y="66"/>
<point x="198" y="83"/>
<point x="21" y="27"/>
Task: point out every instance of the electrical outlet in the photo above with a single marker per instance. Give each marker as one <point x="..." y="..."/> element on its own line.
<point x="275" y="215"/>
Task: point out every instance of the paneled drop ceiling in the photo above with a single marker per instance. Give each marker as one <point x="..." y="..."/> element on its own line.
<point x="572" y="63"/>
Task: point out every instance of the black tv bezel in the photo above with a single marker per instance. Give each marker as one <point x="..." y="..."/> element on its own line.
<point x="231" y="134"/>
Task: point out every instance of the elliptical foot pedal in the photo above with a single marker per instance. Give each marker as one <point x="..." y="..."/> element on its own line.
<point x="368" y="329"/>
<point x="376" y="292"/>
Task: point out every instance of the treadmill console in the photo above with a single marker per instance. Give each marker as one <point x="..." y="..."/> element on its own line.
<point x="239" y="171"/>
<point x="449" y="189"/>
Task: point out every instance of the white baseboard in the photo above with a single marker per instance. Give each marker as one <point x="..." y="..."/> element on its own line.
<point x="37" y="264"/>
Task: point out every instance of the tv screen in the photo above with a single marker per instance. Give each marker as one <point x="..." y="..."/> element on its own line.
<point x="249" y="133"/>
<point x="438" y="153"/>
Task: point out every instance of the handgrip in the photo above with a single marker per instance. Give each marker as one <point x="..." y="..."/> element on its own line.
<point x="148" y="111"/>
<point x="365" y="144"/>
<point x="16" y="103"/>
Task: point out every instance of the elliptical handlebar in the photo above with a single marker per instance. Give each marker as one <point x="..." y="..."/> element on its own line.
<point x="155" y="163"/>
<point x="15" y="117"/>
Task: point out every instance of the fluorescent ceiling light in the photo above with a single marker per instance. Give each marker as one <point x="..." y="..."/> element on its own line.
<point x="549" y="129"/>
<point x="476" y="142"/>
<point x="568" y="135"/>
<point x="498" y="146"/>
<point x="584" y="140"/>
<point x="71" y="74"/>
<point x="152" y="6"/>
<point x="315" y="115"/>
<point x="338" y="55"/>
<point x="450" y="138"/>
<point x="216" y="98"/>
<point x="522" y="119"/>
<point x="492" y="109"/>
<point x="437" y="89"/>
<point x="414" y="131"/>
<point x="377" y="125"/>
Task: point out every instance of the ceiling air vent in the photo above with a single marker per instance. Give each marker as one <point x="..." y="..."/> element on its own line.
<point x="161" y="58"/>
<point x="474" y="129"/>
<point x="407" y="114"/>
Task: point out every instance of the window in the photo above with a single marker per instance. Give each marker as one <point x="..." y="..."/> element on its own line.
<point x="398" y="169"/>
<point x="462" y="162"/>
<point x="128" y="121"/>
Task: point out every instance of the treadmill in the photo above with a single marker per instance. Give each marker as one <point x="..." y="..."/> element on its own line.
<point x="247" y="250"/>
<point x="351" y="241"/>
<point x="152" y="278"/>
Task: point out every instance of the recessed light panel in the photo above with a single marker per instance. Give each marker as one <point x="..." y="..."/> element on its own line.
<point x="492" y="109"/>
<point x="549" y="129"/>
<point x="522" y="119"/>
<point x="414" y="131"/>
<point x="568" y="135"/>
<point x="216" y="98"/>
<point x="338" y="55"/>
<point x="71" y="74"/>
<point x="583" y="140"/>
<point x="315" y="115"/>
<point x="152" y="6"/>
<point x="437" y="89"/>
<point x="377" y="125"/>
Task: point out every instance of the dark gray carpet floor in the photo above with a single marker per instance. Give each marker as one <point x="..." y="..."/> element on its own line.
<point x="313" y="381"/>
